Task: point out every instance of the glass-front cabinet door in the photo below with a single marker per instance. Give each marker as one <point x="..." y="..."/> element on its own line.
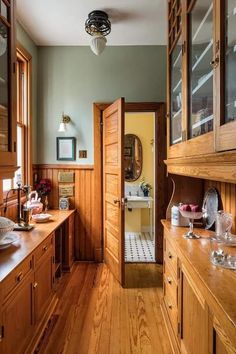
<point x="7" y="85"/>
<point x="226" y="77"/>
<point x="200" y="69"/>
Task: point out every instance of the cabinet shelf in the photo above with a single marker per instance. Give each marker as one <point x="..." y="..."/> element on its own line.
<point x="202" y="82"/>
<point x="203" y="22"/>
<point x="203" y="121"/>
<point x="177" y="113"/>
<point x="202" y="55"/>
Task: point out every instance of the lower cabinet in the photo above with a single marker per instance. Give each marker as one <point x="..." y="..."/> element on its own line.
<point x="193" y="316"/>
<point x="43" y="285"/>
<point x="17" y="318"/>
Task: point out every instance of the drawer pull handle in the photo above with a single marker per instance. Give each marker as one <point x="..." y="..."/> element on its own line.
<point x="35" y="285"/>
<point x="45" y="248"/>
<point x="19" y="276"/>
<point x="169" y="280"/>
<point x="170" y="255"/>
<point x="170" y="306"/>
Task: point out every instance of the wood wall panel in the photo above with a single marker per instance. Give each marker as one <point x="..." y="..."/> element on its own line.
<point x="88" y="243"/>
<point x="228" y="197"/>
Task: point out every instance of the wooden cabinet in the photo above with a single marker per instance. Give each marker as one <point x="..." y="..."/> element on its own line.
<point x="7" y="89"/>
<point x="43" y="285"/>
<point x="201" y="97"/>
<point x="17" y="318"/>
<point x="193" y="316"/>
<point x="197" y="302"/>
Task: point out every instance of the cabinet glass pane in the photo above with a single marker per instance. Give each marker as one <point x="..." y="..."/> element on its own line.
<point x="176" y="94"/>
<point x="4" y="99"/>
<point x="230" y="61"/>
<point x="4" y="9"/>
<point x="201" y="71"/>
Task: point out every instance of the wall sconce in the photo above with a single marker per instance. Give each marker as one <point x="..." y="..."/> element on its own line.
<point x="64" y="121"/>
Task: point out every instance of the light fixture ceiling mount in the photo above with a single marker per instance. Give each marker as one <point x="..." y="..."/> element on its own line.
<point x="98" y="26"/>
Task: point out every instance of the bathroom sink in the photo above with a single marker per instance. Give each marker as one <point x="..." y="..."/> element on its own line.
<point x="135" y="198"/>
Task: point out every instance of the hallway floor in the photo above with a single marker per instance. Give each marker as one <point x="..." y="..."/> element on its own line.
<point x="95" y="315"/>
<point x="139" y="247"/>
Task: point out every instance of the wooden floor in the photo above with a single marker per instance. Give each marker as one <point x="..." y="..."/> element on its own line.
<point x="95" y="315"/>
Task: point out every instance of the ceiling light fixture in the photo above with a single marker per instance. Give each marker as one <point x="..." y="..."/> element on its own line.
<point x="98" y="26"/>
<point x="64" y="121"/>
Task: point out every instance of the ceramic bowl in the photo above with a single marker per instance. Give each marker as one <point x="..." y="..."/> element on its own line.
<point x="41" y="217"/>
<point x="6" y="225"/>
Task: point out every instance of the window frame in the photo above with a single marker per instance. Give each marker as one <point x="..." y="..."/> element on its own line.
<point x="24" y="122"/>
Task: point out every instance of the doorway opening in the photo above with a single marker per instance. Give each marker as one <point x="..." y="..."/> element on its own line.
<point x="139" y="187"/>
<point x="109" y="181"/>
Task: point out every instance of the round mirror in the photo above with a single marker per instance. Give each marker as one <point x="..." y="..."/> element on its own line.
<point x="133" y="157"/>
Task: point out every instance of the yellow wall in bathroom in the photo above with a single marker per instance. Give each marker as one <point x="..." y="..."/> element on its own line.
<point x="142" y="125"/>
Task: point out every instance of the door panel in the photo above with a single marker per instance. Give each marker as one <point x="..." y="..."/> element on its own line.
<point x="113" y="188"/>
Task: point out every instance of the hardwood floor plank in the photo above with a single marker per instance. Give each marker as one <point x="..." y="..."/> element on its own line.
<point x="95" y="315"/>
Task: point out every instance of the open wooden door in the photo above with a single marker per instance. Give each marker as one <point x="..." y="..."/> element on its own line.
<point x="113" y="188"/>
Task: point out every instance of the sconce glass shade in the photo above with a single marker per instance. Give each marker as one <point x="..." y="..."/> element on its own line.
<point x="98" y="43"/>
<point x="62" y="128"/>
<point x="3" y="45"/>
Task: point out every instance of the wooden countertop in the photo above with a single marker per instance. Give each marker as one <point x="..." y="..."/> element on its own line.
<point x="29" y="241"/>
<point x="218" y="284"/>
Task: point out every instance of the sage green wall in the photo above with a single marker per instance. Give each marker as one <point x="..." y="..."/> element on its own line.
<point x="30" y="46"/>
<point x="70" y="79"/>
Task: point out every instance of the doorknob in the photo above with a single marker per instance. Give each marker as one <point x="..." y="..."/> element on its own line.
<point x="116" y="201"/>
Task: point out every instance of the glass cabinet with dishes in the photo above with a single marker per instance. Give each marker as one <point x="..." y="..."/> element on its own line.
<point x="7" y="89"/>
<point x="201" y="108"/>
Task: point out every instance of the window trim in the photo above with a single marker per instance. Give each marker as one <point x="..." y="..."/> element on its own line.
<point x="23" y="55"/>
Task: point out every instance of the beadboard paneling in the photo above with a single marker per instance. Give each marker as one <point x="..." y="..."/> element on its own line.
<point x="88" y="242"/>
<point x="228" y="197"/>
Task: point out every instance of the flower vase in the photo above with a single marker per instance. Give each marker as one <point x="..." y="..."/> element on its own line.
<point x="46" y="203"/>
<point x="145" y="193"/>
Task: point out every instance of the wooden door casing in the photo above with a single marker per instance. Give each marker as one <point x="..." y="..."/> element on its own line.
<point x="113" y="188"/>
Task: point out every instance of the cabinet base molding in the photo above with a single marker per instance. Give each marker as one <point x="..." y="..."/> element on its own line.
<point x="171" y="334"/>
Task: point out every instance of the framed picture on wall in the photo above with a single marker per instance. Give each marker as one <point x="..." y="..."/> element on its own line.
<point x="66" y="149"/>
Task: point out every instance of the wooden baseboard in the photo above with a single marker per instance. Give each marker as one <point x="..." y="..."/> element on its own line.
<point x="171" y="335"/>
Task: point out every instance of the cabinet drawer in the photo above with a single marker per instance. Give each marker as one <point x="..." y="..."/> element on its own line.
<point x="17" y="275"/>
<point x="170" y="284"/>
<point x="172" y="312"/>
<point x="44" y="248"/>
<point x="170" y="257"/>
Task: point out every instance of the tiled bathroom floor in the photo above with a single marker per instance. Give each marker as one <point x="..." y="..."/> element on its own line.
<point x="139" y="247"/>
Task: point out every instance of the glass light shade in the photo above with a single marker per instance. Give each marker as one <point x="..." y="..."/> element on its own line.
<point x="62" y="128"/>
<point x="98" y="44"/>
<point x="3" y="45"/>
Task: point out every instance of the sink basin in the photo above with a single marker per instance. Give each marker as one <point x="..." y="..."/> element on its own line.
<point x="135" y="198"/>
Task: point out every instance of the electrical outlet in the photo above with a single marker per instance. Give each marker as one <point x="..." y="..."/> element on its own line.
<point x="83" y="154"/>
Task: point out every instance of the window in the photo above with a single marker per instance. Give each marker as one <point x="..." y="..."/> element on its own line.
<point x="23" y="67"/>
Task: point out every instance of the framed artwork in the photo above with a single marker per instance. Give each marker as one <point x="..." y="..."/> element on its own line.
<point x="66" y="149"/>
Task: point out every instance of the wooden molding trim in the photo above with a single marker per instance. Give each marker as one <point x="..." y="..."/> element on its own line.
<point x="215" y="167"/>
<point x="63" y="167"/>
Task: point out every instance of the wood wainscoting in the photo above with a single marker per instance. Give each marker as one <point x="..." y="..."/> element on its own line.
<point x="88" y="238"/>
<point x="228" y="197"/>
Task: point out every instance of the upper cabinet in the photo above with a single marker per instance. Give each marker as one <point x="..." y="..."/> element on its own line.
<point x="7" y="89"/>
<point x="225" y="62"/>
<point x="201" y="98"/>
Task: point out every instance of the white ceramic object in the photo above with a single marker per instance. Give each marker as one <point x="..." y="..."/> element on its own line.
<point x="41" y="217"/>
<point x="8" y="240"/>
<point x="6" y="225"/>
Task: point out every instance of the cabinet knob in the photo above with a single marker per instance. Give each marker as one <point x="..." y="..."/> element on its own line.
<point x="35" y="285"/>
<point x="170" y="306"/>
<point x="170" y="255"/>
<point x="116" y="201"/>
<point x="45" y="248"/>
<point x="19" y="276"/>
<point x="214" y="63"/>
<point x="169" y="280"/>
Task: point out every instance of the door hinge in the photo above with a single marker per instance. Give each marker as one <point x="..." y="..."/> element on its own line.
<point x="179" y="328"/>
<point x="183" y="47"/>
<point x="2" y="333"/>
<point x="14" y="146"/>
<point x="217" y="46"/>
